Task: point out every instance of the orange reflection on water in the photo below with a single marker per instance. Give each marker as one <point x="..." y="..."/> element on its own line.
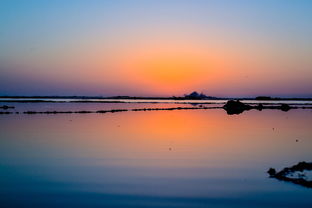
<point x="168" y="138"/>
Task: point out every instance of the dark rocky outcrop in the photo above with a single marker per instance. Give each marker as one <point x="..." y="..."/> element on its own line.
<point x="285" y="107"/>
<point x="259" y="107"/>
<point x="286" y="174"/>
<point x="236" y="107"/>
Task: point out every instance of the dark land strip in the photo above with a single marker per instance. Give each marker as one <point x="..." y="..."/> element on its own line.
<point x="232" y="107"/>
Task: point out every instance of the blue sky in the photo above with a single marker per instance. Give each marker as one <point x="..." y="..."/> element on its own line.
<point x="79" y="47"/>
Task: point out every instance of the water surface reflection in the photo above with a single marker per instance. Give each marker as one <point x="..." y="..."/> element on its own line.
<point x="153" y="159"/>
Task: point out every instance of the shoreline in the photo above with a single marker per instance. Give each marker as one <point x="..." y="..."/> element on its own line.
<point x="143" y="109"/>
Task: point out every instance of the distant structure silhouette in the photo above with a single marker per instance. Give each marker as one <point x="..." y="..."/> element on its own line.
<point x="197" y="96"/>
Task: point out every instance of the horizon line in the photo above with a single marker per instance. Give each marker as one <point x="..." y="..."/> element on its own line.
<point x="151" y="97"/>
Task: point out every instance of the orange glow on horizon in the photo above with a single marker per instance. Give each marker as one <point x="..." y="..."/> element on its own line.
<point x="197" y="134"/>
<point x="170" y="67"/>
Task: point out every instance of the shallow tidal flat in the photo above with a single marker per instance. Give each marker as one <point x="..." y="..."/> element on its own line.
<point x="164" y="158"/>
<point x="87" y="106"/>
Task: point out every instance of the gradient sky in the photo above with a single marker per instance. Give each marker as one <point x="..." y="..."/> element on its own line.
<point x="156" y="48"/>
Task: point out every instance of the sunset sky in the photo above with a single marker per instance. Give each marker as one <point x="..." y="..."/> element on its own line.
<point x="225" y="48"/>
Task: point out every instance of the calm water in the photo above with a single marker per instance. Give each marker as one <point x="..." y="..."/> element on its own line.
<point x="186" y="158"/>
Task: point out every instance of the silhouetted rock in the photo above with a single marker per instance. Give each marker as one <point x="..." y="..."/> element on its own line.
<point x="235" y="107"/>
<point x="260" y="107"/>
<point x="272" y="172"/>
<point x="285" y="107"/>
<point x="287" y="174"/>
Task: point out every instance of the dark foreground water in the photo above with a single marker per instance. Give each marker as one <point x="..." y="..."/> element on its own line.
<point x="186" y="158"/>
